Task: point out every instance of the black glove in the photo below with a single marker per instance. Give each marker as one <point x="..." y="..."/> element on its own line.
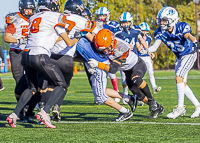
<point x="196" y="45"/>
<point x="77" y="35"/>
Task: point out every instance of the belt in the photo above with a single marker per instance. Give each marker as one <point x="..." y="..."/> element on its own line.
<point x="15" y="50"/>
<point x="26" y="50"/>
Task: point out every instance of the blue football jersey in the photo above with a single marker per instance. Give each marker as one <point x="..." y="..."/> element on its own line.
<point x="176" y="41"/>
<point x="113" y="26"/>
<point x="87" y="50"/>
<point x="148" y="42"/>
<point x="130" y="36"/>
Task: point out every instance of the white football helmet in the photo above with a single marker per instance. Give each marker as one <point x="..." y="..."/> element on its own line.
<point x="168" y="14"/>
<point x="144" y="26"/>
<point x="103" y="11"/>
<point x="125" y="17"/>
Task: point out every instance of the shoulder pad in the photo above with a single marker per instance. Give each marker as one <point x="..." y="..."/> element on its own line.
<point x="183" y="27"/>
<point x="136" y="26"/>
<point x="12" y="17"/>
<point x="114" y="23"/>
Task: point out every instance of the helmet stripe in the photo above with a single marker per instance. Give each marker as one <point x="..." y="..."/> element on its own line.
<point x="124" y="16"/>
<point x="101" y="10"/>
<point x="145" y="26"/>
<point x="162" y="11"/>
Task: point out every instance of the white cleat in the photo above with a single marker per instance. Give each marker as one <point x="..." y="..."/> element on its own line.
<point x="196" y="112"/>
<point x="177" y="112"/>
<point x="117" y="100"/>
<point x="125" y="99"/>
<point x="157" y="89"/>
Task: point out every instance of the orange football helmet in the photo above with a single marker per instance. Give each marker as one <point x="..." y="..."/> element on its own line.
<point x="104" y="41"/>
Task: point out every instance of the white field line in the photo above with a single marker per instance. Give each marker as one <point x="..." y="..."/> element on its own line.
<point x="163" y="77"/>
<point x="150" y="123"/>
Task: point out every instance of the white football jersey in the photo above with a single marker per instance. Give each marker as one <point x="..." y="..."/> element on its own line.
<point x="44" y="28"/>
<point x="21" y="24"/>
<point x="74" y="23"/>
<point x="122" y="50"/>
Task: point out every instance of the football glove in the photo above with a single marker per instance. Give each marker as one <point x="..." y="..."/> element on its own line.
<point x="77" y="35"/>
<point x="22" y="41"/>
<point x="92" y="71"/>
<point x="144" y="51"/>
<point x="196" y="45"/>
<point x="93" y="63"/>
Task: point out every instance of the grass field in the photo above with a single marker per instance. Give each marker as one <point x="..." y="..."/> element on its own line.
<point x="84" y="122"/>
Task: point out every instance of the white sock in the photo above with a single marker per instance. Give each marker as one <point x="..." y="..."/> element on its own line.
<point x="123" y="110"/>
<point x="125" y="90"/>
<point x="152" y="81"/>
<point x="190" y="95"/>
<point x="180" y="93"/>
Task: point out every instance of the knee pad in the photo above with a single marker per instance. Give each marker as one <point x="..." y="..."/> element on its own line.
<point x="137" y="81"/>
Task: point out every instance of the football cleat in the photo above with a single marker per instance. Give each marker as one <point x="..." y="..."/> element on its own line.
<point x="177" y="112"/>
<point x="45" y="118"/>
<point x="196" y="112"/>
<point x="132" y="103"/>
<point x="157" y="89"/>
<point x="2" y="88"/>
<point x="56" y="113"/>
<point x="12" y="119"/>
<point x="140" y="103"/>
<point x="27" y="119"/>
<point x="152" y="105"/>
<point x="125" y="99"/>
<point x="124" y="116"/>
<point x="157" y="112"/>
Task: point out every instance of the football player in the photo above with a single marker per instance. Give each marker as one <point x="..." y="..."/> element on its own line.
<point x="1" y="65"/>
<point x="146" y="57"/>
<point x="122" y="58"/>
<point x="45" y="28"/>
<point x="16" y="35"/>
<point x="177" y="36"/>
<point x="103" y="14"/>
<point x="130" y="34"/>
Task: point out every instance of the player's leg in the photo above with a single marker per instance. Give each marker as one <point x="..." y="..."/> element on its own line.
<point x="182" y="67"/>
<point x="99" y="83"/>
<point x="114" y="82"/>
<point x="125" y="87"/>
<point x="1" y="85"/>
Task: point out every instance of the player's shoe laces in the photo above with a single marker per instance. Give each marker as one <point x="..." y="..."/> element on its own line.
<point x="132" y="103"/>
<point x="12" y="119"/>
<point x="152" y="105"/>
<point x="45" y="118"/>
<point x="140" y="103"/>
<point x="196" y="112"/>
<point x="157" y="112"/>
<point x="157" y="89"/>
<point x="177" y="112"/>
<point x="124" y="116"/>
<point x="56" y="113"/>
<point x="117" y="100"/>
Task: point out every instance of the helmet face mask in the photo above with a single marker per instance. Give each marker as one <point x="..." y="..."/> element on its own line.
<point x="27" y="7"/>
<point x="167" y="17"/>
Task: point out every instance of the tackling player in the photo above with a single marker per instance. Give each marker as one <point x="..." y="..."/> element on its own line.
<point x="177" y="36"/>
<point x="123" y="59"/>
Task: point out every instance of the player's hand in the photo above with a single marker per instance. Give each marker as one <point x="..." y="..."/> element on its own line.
<point x="77" y="35"/>
<point x="22" y="41"/>
<point x="152" y="55"/>
<point x="144" y="51"/>
<point x="130" y="46"/>
<point x="93" y="63"/>
<point x="92" y="70"/>
<point x="196" y="45"/>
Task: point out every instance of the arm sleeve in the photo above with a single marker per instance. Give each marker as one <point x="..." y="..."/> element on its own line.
<point x="155" y="46"/>
<point x="10" y="29"/>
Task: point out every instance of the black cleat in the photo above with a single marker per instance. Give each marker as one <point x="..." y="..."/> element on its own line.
<point x="132" y="103"/>
<point x="27" y="119"/>
<point x="152" y="105"/>
<point x="56" y="113"/>
<point x="124" y="116"/>
<point x="156" y="113"/>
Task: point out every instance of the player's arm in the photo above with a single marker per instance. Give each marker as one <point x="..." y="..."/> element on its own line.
<point x="68" y="41"/>
<point x="112" y="68"/>
<point x="142" y="41"/>
<point x="10" y="30"/>
<point x="139" y="46"/>
<point x="190" y="37"/>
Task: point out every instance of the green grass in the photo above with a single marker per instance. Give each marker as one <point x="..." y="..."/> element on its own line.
<point x="83" y="122"/>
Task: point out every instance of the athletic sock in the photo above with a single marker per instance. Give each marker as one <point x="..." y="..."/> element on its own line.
<point x="25" y="97"/>
<point x="115" y="84"/>
<point x="180" y="93"/>
<point x="60" y="100"/>
<point x="55" y="95"/>
<point x="190" y="95"/>
<point x="123" y="110"/>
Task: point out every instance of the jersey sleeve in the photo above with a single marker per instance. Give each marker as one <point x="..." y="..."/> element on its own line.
<point x="11" y="28"/>
<point x="156" y="35"/>
<point x="60" y="26"/>
<point x="184" y="28"/>
<point x="11" y="18"/>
